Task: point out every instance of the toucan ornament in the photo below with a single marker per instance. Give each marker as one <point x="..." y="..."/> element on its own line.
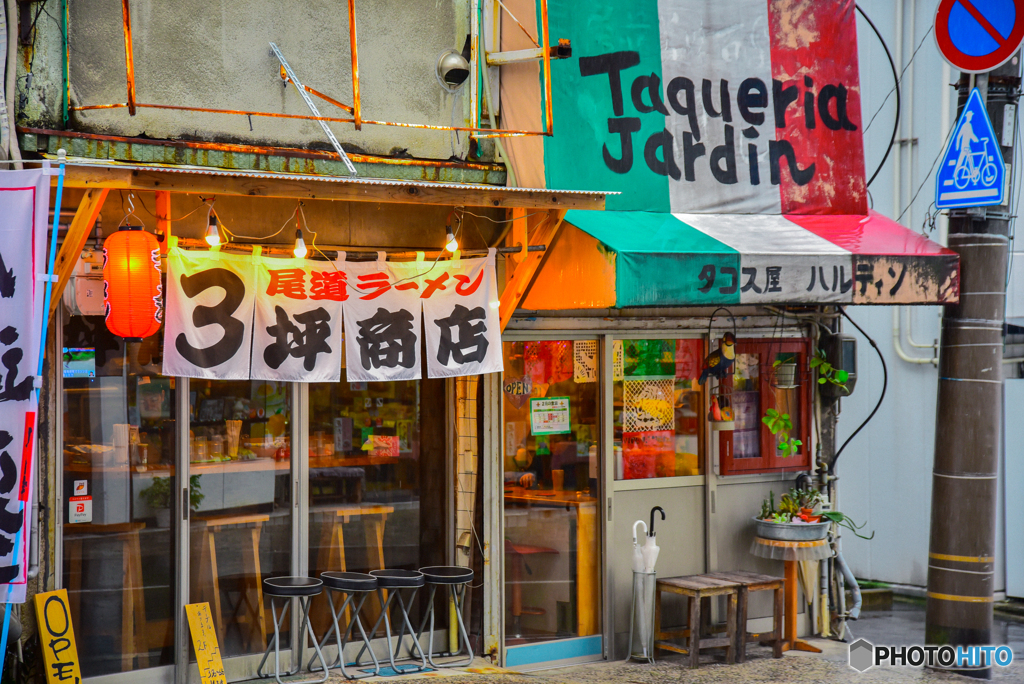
<point x="718" y="362"/>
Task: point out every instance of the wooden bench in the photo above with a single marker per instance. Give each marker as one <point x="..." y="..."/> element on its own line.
<point x="748" y="582"/>
<point x="695" y="588"/>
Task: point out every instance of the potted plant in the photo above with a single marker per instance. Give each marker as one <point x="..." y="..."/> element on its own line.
<point x="793" y="519"/>
<point x="158" y="497"/>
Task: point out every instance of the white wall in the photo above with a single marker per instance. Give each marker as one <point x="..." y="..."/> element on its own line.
<point x="886" y="470"/>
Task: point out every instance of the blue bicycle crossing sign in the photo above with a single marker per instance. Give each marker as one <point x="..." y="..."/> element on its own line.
<point x="972" y="173"/>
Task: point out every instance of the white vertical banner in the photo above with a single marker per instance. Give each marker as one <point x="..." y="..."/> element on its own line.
<point x="460" y="312"/>
<point x="382" y="322"/>
<point x="24" y="205"/>
<point x="209" y="313"/>
<point x="297" y="329"/>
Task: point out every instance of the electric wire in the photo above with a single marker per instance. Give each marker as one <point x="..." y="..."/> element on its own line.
<point x="928" y="176"/>
<point x="896" y="78"/>
<point x="881" y="398"/>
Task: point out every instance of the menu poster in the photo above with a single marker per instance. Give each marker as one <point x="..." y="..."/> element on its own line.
<point x="550" y="416"/>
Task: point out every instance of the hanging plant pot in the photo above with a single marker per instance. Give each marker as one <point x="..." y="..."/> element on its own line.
<point x="785" y="376"/>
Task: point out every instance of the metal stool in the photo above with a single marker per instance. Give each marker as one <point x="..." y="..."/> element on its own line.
<point x="457" y="579"/>
<point x="304" y="589"/>
<point x="395" y="581"/>
<point x="352" y="584"/>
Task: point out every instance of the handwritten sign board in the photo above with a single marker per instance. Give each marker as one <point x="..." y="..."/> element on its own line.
<point x="57" y="638"/>
<point x="204" y="640"/>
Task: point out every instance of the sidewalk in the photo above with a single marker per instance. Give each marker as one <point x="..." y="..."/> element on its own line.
<point x="903" y="625"/>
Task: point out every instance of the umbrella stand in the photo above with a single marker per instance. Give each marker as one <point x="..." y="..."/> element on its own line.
<point x="641" y="617"/>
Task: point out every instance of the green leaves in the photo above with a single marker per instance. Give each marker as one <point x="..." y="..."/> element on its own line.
<point x="828" y="373"/>
<point x="780" y="426"/>
<point x="844" y="521"/>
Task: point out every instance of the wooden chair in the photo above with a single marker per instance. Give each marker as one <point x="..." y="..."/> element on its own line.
<point x="695" y="588"/>
<point x="133" y="601"/>
<point x="748" y="582"/>
<point x="516" y="563"/>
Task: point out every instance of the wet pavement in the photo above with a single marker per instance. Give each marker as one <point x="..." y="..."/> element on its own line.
<point x="904" y="625"/>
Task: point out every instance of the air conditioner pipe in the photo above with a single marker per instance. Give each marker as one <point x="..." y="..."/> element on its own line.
<point x="897" y="345"/>
<point x="851" y="581"/>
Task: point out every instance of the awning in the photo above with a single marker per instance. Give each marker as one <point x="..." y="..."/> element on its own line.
<point x="631" y="258"/>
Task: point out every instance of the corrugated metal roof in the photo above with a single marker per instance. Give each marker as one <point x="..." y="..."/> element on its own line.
<point x="355" y="180"/>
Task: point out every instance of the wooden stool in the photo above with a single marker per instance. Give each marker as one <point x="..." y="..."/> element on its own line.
<point x="250" y="560"/>
<point x="517" y="562"/>
<point x="133" y="601"/>
<point x="331" y="556"/>
<point x="695" y="588"/>
<point x="752" y="581"/>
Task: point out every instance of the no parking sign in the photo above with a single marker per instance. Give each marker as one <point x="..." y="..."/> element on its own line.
<point x="979" y="35"/>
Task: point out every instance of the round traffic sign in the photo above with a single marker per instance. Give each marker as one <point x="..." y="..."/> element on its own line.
<point x="979" y="35"/>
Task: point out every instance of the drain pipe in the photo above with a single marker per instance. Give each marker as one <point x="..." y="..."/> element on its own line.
<point x="851" y="581"/>
<point x="897" y="343"/>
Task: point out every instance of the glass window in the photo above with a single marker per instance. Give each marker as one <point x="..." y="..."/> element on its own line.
<point x="241" y="497"/>
<point x="658" y="408"/>
<point x="551" y="447"/>
<point x="376" y="479"/>
<point x="767" y="374"/>
<point x="119" y="445"/>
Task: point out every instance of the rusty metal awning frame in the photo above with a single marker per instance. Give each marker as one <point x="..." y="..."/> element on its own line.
<point x="478" y="59"/>
<point x="88" y="173"/>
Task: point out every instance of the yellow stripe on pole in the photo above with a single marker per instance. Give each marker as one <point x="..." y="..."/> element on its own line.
<point x="962" y="599"/>
<point x="962" y="559"/>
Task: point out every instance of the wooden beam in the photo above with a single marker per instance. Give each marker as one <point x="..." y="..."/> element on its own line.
<point x="163" y="218"/>
<point x="544" y="232"/>
<point x="71" y="249"/>
<point x="448" y="195"/>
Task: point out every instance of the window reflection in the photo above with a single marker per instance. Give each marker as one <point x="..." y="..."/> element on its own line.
<point x="551" y="465"/>
<point x="119" y="445"/>
<point x="376" y="478"/>
<point x="658" y="408"/>
<point x="240" y="467"/>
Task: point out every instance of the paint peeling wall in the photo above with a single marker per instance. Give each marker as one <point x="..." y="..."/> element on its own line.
<point x="216" y="55"/>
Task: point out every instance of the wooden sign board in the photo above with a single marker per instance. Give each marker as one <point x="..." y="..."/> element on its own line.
<point x="204" y="640"/>
<point x="57" y="638"/>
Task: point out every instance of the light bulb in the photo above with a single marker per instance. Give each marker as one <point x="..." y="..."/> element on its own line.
<point x="300" y="250"/>
<point x="451" y="244"/>
<point x="212" y="233"/>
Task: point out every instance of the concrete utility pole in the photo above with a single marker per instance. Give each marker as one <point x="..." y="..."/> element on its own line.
<point x="969" y="414"/>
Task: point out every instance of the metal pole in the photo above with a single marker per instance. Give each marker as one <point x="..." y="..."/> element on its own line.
<point x="969" y="411"/>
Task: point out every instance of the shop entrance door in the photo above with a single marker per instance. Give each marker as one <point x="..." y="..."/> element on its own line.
<point x="551" y="446"/>
<point x="241" y="497"/>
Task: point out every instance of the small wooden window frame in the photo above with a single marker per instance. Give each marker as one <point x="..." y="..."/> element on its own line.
<point x="770" y="460"/>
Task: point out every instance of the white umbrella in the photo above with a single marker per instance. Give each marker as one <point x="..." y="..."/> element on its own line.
<point x="638" y="560"/>
<point x="651" y="549"/>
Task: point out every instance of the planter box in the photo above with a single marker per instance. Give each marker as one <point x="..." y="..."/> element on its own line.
<point x="791" y="531"/>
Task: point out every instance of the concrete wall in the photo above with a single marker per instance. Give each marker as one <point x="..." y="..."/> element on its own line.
<point x="886" y="470"/>
<point x="216" y="55"/>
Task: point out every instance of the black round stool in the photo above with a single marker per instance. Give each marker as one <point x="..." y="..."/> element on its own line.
<point x="352" y="585"/>
<point x="395" y="581"/>
<point x="287" y="588"/>
<point x="457" y="579"/>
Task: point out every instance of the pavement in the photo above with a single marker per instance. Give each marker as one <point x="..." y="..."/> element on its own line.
<point x="904" y="625"/>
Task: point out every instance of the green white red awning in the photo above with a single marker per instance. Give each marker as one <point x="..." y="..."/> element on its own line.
<point x="662" y="259"/>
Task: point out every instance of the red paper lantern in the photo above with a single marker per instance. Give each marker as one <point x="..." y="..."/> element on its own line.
<point x="132" y="291"/>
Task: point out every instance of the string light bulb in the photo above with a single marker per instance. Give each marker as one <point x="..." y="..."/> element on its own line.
<point x="300" y="250"/>
<point x="451" y="244"/>
<point x="212" y="232"/>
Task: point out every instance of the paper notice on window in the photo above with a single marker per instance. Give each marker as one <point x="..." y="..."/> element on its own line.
<point x="550" y="416"/>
